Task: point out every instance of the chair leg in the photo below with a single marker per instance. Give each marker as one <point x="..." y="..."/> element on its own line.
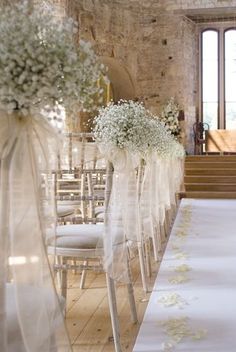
<point x="166" y="227"/>
<point x="83" y="276"/>
<point x="167" y="222"/>
<point x="113" y="312"/>
<point x="162" y="233"/>
<point x="147" y="257"/>
<point x="58" y="272"/>
<point x="64" y="279"/>
<point x="156" y="242"/>
<point x="132" y="304"/>
<point x="159" y="238"/>
<point x="142" y="267"/>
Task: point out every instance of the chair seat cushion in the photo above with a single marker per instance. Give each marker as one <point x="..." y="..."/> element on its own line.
<point x="65" y="210"/>
<point x="81" y="236"/>
<point x="99" y="210"/>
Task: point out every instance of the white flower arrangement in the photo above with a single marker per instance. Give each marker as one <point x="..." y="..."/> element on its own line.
<point x="129" y="125"/>
<point x="169" y="116"/>
<point x="126" y="125"/>
<point x="40" y="64"/>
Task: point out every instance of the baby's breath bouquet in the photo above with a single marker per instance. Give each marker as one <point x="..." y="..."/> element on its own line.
<point x="129" y="125"/>
<point x="40" y="64"/>
<point x="169" y="116"/>
<point x="164" y="142"/>
<point x="126" y="125"/>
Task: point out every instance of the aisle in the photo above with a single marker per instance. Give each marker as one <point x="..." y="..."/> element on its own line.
<point x="196" y="282"/>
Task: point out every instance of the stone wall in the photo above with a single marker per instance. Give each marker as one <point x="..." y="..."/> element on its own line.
<point x="157" y="48"/>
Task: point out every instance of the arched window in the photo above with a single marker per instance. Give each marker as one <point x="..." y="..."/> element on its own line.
<point x="230" y="78"/>
<point x="218" y="77"/>
<point x="210" y="79"/>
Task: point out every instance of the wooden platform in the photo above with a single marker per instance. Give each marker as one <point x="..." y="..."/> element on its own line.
<point x="221" y="141"/>
<point x="210" y="176"/>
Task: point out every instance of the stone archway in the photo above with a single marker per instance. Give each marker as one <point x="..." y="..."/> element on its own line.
<point x="121" y="81"/>
<point x="122" y="88"/>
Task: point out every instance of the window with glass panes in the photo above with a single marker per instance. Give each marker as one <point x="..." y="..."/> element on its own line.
<point x="218" y="76"/>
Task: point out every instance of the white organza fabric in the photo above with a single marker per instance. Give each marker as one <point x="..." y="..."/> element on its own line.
<point x="138" y="202"/>
<point x="151" y="202"/>
<point x="31" y="317"/>
<point x="162" y="179"/>
<point x="77" y="151"/>
<point x="122" y="221"/>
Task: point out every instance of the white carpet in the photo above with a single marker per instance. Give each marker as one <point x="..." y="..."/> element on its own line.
<point x="205" y="234"/>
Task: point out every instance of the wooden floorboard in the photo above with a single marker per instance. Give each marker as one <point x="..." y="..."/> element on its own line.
<point x="88" y="319"/>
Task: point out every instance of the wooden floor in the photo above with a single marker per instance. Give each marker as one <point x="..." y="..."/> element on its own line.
<point x="88" y="319"/>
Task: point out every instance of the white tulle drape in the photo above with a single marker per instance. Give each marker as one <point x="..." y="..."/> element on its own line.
<point x="122" y="214"/>
<point x="76" y="151"/>
<point x="138" y="202"/>
<point x="162" y="179"/>
<point x="30" y="311"/>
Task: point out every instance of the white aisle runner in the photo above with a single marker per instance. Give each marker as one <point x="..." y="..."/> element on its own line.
<point x="193" y="304"/>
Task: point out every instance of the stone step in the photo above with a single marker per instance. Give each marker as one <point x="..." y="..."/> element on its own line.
<point x="211" y="158"/>
<point x="212" y="165"/>
<point x="207" y="187"/>
<point x="208" y="195"/>
<point x="207" y="172"/>
<point x="210" y="179"/>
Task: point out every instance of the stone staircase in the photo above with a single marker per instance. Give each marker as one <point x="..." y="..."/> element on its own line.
<point x="210" y="176"/>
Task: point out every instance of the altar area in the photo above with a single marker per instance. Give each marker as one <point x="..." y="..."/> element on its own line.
<point x="220" y="141"/>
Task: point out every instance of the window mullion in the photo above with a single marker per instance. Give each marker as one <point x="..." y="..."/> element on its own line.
<point x="221" y="82"/>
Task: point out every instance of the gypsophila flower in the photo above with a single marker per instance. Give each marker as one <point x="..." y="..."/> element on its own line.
<point x="126" y="125"/>
<point x="40" y="64"/>
<point x="169" y="116"/>
<point x="129" y="125"/>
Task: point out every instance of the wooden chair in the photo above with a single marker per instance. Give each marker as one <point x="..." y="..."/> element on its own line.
<point x="199" y="129"/>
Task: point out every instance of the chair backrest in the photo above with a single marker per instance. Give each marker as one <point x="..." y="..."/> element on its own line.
<point x="79" y="150"/>
<point x="199" y="129"/>
<point x="81" y="176"/>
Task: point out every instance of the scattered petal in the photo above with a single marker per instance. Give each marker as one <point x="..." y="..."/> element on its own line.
<point x="178" y="329"/>
<point x="172" y="299"/>
<point x="167" y="346"/>
<point x="182" y="268"/>
<point x="181" y="255"/>
<point x="199" y="334"/>
<point x="178" y="279"/>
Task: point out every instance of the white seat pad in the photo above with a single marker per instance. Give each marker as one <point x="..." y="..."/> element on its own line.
<point x="65" y="210"/>
<point x="83" y="236"/>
